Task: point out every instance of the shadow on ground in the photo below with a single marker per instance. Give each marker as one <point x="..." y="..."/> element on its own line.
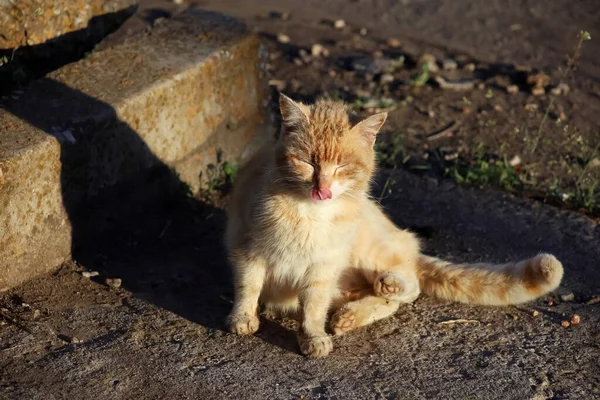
<point x="132" y="218"/>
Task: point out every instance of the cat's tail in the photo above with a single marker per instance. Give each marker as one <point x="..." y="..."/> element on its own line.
<point x="489" y="284"/>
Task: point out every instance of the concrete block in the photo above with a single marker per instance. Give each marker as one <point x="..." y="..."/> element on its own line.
<point x="168" y="100"/>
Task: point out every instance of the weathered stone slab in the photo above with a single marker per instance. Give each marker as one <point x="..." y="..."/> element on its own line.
<point x="167" y="100"/>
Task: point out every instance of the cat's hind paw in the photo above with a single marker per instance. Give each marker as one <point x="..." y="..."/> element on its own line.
<point x="388" y="285"/>
<point x="243" y="324"/>
<point x="343" y="321"/>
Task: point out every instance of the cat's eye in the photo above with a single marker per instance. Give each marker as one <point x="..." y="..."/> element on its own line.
<point x="306" y="164"/>
<point x="341" y="167"/>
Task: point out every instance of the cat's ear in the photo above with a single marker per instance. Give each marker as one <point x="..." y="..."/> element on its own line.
<point x="369" y="127"/>
<point x="294" y="116"/>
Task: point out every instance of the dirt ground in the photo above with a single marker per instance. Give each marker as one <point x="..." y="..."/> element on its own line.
<point x="159" y="332"/>
<point x="535" y="142"/>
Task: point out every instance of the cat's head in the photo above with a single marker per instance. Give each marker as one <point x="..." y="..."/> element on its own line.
<point x="321" y="154"/>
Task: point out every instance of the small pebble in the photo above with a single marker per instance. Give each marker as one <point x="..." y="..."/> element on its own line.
<point x="550" y="303"/>
<point x="449" y="65"/>
<point x="284" y="16"/>
<point x="594" y="163"/>
<point x="540" y="79"/>
<point x="516" y="160"/>
<point x="531" y="107"/>
<point x="538" y="91"/>
<point x="363" y="32"/>
<point x="278" y="83"/>
<point x="386" y="78"/>
<point x="567" y="297"/>
<point x="113" y="283"/>
<point x="535" y="313"/>
<point x="565" y="324"/>
<point x="316" y="50"/>
<point x="90" y="274"/>
<point x="469" y="67"/>
<point x="339" y="24"/>
<point x="393" y="42"/>
<point x="575" y="319"/>
<point x="283" y="38"/>
<point x="561" y="89"/>
<point x="512" y="89"/>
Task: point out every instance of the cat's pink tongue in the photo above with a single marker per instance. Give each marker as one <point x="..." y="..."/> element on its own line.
<point x="320" y="194"/>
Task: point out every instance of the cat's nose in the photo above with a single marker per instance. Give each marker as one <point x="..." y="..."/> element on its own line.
<point x="324" y="181"/>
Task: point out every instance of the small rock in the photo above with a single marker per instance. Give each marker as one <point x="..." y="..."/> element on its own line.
<point x="567" y="297"/>
<point x="469" y="67"/>
<point x="316" y="50"/>
<point x="530" y="107"/>
<point x="535" y="313"/>
<point x="283" y="38"/>
<point x="69" y="339"/>
<point x="298" y="62"/>
<point x="363" y="31"/>
<point x="178" y="1"/>
<point x="284" y="16"/>
<point x="332" y="73"/>
<point x="498" y="108"/>
<point x="564" y="88"/>
<point x="516" y="160"/>
<point x="565" y="324"/>
<point x="523" y="68"/>
<point x="113" y="283"/>
<point x="89" y="274"/>
<point x="575" y="319"/>
<point x="512" y="89"/>
<point x="481" y="86"/>
<point x="539" y="80"/>
<point x="594" y="163"/>
<point x="538" y="91"/>
<point x="393" y="42"/>
<point x="339" y="24"/>
<point x="36" y="313"/>
<point x="561" y="89"/>
<point x="550" y="303"/>
<point x="449" y="65"/>
<point x="386" y="78"/>
<point x="279" y="84"/>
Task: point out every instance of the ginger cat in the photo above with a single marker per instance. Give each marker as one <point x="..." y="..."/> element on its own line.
<point x="302" y="233"/>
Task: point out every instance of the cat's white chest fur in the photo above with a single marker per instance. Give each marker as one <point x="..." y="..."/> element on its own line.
<point x="309" y="235"/>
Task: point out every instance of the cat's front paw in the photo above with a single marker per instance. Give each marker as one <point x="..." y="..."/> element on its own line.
<point x="316" y="346"/>
<point x="388" y="285"/>
<point x="243" y="324"/>
<point x="343" y="321"/>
